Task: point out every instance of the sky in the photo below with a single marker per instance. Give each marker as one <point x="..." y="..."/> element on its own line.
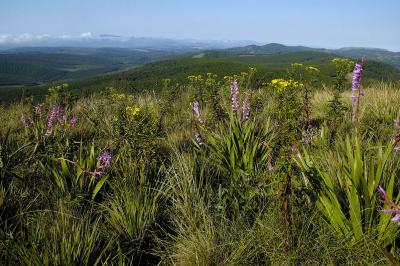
<point x="322" y="23"/>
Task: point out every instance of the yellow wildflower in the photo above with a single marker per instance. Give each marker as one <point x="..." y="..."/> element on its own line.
<point x="281" y="84"/>
<point x="252" y="70"/>
<point x="118" y="97"/>
<point x="132" y="111"/>
<point x="312" y="70"/>
<point x="342" y="61"/>
<point x="297" y="65"/>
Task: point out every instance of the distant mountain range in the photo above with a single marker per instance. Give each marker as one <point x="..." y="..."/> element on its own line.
<point x="380" y="55"/>
<point x="109" y="40"/>
<point x="89" y="40"/>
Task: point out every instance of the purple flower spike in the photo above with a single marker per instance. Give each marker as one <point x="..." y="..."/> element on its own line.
<point x="50" y="121"/>
<point x="26" y="120"/>
<point x="199" y="138"/>
<point x="235" y="96"/>
<point x="245" y="109"/>
<point x="308" y="138"/>
<point x="356" y="77"/>
<point x="73" y="121"/>
<point x="355" y="88"/>
<point x="382" y="191"/>
<point x="60" y="114"/>
<point x="396" y="138"/>
<point x="57" y="113"/>
<point x="105" y="160"/>
<point x="397" y="123"/>
<point x="394" y="208"/>
<point x="39" y="109"/>
<point x="396" y="217"/>
<point x="196" y="110"/>
<point x="389" y="211"/>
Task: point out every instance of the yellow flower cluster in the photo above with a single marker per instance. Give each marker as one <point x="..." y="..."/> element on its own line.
<point x="242" y="77"/>
<point x="312" y="70"/>
<point x="228" y="78"/>
<point x="194" y="78"/>
<point x="122" y="97"/>
<point x="297" y="65"/>
<point x="211" y="75"/>
<point x="338" y="61"/>
<point x="252" y="70"/>
<point x="283" y="84"/>
<point x="211" y="79"/>
<point x="132" y="111"/>
<point x="56" y="89"/>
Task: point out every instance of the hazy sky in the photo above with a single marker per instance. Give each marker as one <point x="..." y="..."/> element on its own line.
<point x="322" y="23"/>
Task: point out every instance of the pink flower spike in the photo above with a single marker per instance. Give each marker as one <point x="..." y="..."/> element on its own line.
<point x="235" y="96"/>
<point x="382" y="191"/>
<point x="396" y="218"/>
<point x="389" y="211"/>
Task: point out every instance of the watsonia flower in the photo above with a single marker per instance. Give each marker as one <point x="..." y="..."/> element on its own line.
<point x="235" y="96"/>
<point x="57" y="112"/>
<point x="73" y="121"/>
<point x="308" y="137"/>
<point x="355" y="84"/>
<point x="355" y="88"/>
<point x="199" y="138"/>
<point x="26" y="120"/>
<point x="39" y="109"/>
<point x="196" y="110"/>
<point x="396" y="138"/>
<point x="394" y="208"/>
<point x="104" y="160"/>
<point x="60" y="114"/>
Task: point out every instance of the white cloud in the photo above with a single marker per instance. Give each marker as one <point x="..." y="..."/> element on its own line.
<point x="37" y="38"/>
<point x="86" y="35"/>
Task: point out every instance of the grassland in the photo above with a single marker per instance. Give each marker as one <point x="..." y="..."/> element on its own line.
<point x="175" y="172"/>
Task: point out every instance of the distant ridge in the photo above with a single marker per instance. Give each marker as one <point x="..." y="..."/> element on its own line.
<point x="271" y="48"/>
<point x="90" y="40"/>
<point x="45" y="65"/>
<point x="377" y="54"/>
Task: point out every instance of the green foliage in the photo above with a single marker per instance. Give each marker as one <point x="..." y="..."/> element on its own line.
<point x="76" y="178"/>
<point x="131" y="211"/>
<point x="57" y="94"/>
<point x="11" y="156"/>
<point x="336" y="107"/>
<point x="239" y="151"/>
<point x="346" y="181"/>
<point x="64" y="237"/>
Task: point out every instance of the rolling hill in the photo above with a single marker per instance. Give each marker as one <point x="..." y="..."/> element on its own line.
<point x="35" y="66"/>
<point x="46" y="65"/>
<point x="150" y="75"/>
